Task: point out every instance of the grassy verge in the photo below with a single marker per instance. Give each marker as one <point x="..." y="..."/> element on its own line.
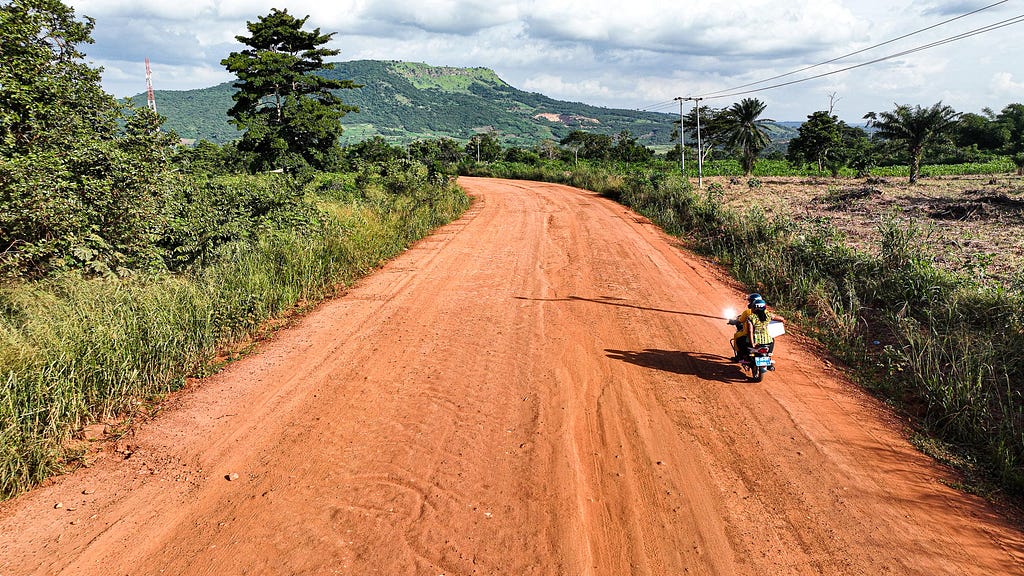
<point x="942" y="347"/>
<point x="75" y="351"/>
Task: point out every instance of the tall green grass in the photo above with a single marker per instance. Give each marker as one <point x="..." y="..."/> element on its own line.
<point x="75" y="350"/>
<point x="944" y="347"/>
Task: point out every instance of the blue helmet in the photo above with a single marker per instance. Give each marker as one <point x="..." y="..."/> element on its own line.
<point x="758" y="304"/>
<point x="752" y="297"/>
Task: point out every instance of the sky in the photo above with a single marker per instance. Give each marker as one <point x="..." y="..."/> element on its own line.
<point x="637" y="54"/>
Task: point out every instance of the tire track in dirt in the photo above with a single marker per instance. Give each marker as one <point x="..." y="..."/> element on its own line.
<point x="538" y="388"/>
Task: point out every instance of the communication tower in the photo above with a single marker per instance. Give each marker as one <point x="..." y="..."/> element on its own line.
<point x="150" y="100"/>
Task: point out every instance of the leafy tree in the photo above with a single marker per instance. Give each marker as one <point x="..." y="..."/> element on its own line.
<point x="915" y="128"/>
<point x="205" y="158"/>
<point x="818" y="139"/>
<point x="484" y="147"/>
<point x="855" y="150"/>
<point x="79" y="174"/>
<point x="374" y="149"/>
<point x="290" y="116"/>
<point x="627" y="149"/>
<point x="743" y="129"/>
<point x="444" y="151"/>
<point x="588" y="145"/>
<point x="980" y="131"/>
<point x="522" y="155"/>
<point x="48" y="95"/>
<point x="1011" y="121"/>
<point x="713" y="128"/>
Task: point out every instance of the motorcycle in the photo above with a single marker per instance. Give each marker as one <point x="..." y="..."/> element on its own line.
<point x="758" y="359"/>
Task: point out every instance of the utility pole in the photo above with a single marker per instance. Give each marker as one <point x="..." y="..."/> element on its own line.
<point x="700" y="150"/>
<point x="682" y="148"/>
<point x="150" y="99"/>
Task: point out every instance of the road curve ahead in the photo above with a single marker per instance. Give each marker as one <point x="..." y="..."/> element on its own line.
<point x="539" y="388"/>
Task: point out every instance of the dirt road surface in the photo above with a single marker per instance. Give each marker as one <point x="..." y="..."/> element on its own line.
<point x="540" y="388"/>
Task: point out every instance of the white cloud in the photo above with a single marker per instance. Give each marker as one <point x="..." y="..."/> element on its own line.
<point x="598" y="51"/>
<point x="464" y="17"/>
<point x="712" y="27"/>
<point x="575" y="91"/>
<point x="1004" y="85"/>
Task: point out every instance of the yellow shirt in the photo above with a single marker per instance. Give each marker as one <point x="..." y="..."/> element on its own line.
<point x="761" y="335"/>
<point x="741" y="330"/>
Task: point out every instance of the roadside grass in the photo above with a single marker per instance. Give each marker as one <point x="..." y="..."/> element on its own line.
<point x="942" y="347"/>
<point x="75" y="351"/>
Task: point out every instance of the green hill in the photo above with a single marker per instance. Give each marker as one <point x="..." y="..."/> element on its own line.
<point x="404" y="101"/>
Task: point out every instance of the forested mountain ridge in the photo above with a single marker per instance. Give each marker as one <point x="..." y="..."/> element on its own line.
<point x="405" y="101"/>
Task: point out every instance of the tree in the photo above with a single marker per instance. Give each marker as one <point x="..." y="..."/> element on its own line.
<point x="713" y="128"/>
<point x="627" y="149"/>
<point x="521" y="155"/>
<point x="854" y="150"/>
<point x="818" y="139"/>
<point x="79" y="172"/>
<point x="48" y="95"/>
<point x="980" y="131"/>
<point x="548" y="149"/>
<point x="290" y="116"/>
<point x="588" y="145"/>
<point x="1011" y="120"/>
<point x="744" y="131"/>
<point x="372" y="150"/>
<point x="444" y="151"/>
<point x="484" y="147"/>
<point x="915" y="128"/>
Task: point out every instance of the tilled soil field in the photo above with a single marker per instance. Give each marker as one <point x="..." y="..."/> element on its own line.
<point x="973" y="223"/>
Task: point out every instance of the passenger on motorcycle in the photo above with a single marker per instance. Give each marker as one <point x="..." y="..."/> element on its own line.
<point x="756" y="328"/>
<point x="742" y="328"/>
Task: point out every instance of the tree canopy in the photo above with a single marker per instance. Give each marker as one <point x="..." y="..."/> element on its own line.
<point x="484" y="147"/>
<point x="1011" y="121"/>
<point x="588" y="145"/>
<point x="290" y="116"/>
<point x="48" y="95"/>
<point x="78" y="172"/>
<point x="744" y="130"/>
<point x="819" y="138"/>
<point x="916" y="128"/>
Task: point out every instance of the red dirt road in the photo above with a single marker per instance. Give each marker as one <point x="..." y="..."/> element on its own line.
<point x="538" y="388"/>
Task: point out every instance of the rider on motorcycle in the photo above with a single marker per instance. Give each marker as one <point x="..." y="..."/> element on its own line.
<point x="755" y="329"/>
<point x="742" y="328"/>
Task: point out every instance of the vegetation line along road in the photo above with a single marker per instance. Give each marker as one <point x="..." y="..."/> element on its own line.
<point x="129" y="259"/>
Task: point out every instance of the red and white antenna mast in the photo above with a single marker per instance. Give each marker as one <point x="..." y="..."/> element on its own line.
<point x="150" y="100"/>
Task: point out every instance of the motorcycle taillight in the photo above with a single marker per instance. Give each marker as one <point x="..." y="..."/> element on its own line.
<point x="762" y="350"/>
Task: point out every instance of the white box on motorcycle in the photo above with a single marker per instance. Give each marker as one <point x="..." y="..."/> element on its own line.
<point x="776" y="328"/>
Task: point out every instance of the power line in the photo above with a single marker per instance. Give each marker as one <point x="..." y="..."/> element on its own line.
<point x="836" y="59"/>
<point x="975" y="32"/>
<point x="720" y="93"/>
<point x="660" y="105"/>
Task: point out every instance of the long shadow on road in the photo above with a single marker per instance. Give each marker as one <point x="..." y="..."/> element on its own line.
<point x="620" y="302"/>
<point x="706" y="366"/>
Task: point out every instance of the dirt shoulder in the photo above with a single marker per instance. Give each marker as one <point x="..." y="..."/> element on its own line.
<point x="539" y="388"/>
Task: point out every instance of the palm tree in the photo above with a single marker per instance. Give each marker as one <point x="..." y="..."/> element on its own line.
<point x="915" y="127"/>
<point x="745" y="132"/>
